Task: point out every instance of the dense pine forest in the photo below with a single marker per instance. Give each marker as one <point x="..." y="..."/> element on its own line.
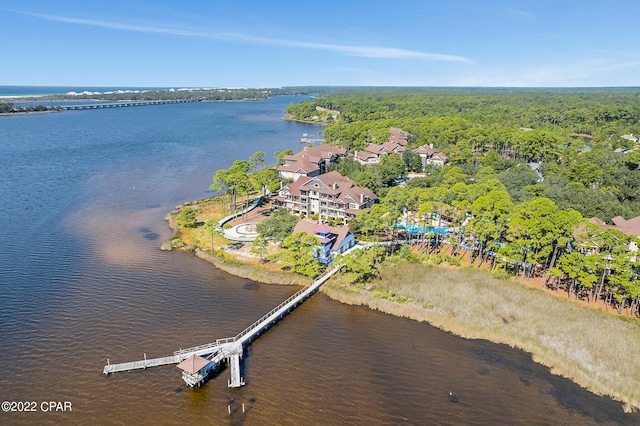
<point x="526" y="170"/>
<point x="10" y="108"/>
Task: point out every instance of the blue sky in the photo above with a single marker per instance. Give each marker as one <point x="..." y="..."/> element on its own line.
<point x="247" y="43"/>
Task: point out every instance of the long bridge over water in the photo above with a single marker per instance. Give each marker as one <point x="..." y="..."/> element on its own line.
<point x="125" y="104"/>
<point x="228" y="349"/>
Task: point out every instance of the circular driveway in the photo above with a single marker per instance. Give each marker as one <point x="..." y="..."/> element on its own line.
<point x="243" y="232"/>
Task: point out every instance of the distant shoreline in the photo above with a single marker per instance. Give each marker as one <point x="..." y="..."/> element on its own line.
<point x="16" y="97"/>
<point x="8" y="114"/>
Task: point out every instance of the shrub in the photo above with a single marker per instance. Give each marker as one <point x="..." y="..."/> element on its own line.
<point x="452" y="260"/>
<point x="187" y="218"/>
<point x="502" y="274"/>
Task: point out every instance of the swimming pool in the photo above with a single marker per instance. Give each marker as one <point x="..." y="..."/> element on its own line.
<point x="415" y="229"/>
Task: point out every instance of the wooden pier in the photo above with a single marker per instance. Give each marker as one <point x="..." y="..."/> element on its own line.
<point x="229" y="349"/>
<point x="139" y="365"/>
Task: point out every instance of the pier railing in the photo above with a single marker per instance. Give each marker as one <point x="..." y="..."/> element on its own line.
<point x="260" y="322"/>
<point x="264" y="317"/>
<point x="197" y="349"/>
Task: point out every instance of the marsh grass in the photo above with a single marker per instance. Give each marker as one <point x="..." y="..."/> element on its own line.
<point x="596" y="350"/>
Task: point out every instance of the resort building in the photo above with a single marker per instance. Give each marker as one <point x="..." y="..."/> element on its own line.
<point x="629" y="227"/>
<point x="398" y="136"/>
<point x="366" y="157"/>
<point x="374" y="152"/>
<point x="333" y="239"/>
<point x="428" y="155"/>
<point x="311" y="161"/>
<point x="300" y="164"/>
<point x="328" y="195"/>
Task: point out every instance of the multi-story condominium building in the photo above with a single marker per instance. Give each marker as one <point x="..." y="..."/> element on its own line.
<point x="398" y="136"/>
<point x="373" y="152"/>
<point x="328" y="195"/>
<point x="311" y="161"/>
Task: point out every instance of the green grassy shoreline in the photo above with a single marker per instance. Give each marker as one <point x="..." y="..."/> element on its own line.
<point x="596" y="350"/>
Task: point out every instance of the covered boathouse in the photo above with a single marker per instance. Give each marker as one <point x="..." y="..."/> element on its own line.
<point x="195" y="370"/>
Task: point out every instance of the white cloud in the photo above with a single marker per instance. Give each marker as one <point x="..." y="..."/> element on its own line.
<point x="349" y="50"/>
<point x="577" y="73"/>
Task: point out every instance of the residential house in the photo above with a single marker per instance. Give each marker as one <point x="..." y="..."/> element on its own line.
<point x="329" y="195"/>
<point x="333" y="239"/>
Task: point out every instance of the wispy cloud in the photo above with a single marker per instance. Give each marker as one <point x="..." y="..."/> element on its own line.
<point x="521" y="14"/>
<point x="576" y="73"/>
<point x="349" y="50"/>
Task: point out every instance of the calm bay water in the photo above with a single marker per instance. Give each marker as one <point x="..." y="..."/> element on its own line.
<point x="82" y="279"/>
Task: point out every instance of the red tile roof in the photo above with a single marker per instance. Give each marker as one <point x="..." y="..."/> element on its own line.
<point x="631" y="226"/>
<point x="441" y="156"/>
<point x="425" y="149"/>
<point x="376" y="149"/>
<point x="398" y="135"/>
<point x="302" y="165"/>
<point x="193" y="364"/>
<point x="393" y="147"/>
<point x="310" y="228"/>
<point x="325" y="151"/>
<point x="365" y="155"/>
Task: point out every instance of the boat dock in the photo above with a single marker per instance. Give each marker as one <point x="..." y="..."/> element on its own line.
<point x="229" y="349"/>
<point x="311" y="140"/>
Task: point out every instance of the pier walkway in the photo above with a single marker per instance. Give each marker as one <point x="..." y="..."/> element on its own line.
<point x="229" y="349"/>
